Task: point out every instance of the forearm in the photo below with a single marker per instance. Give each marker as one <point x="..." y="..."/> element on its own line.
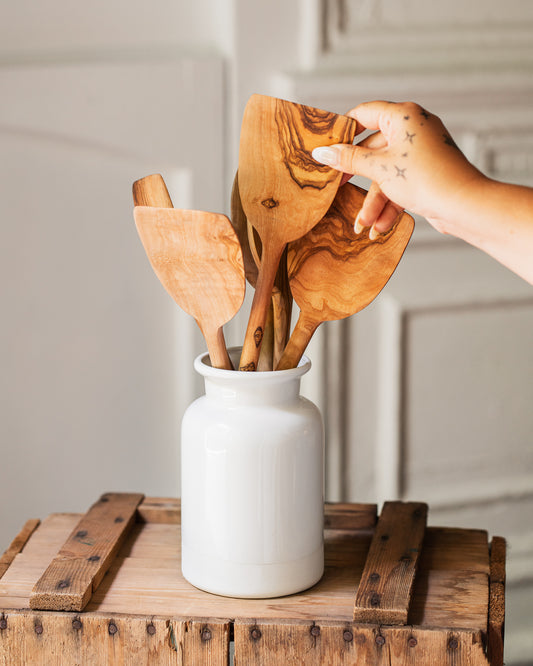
<point x="498" y="219"/>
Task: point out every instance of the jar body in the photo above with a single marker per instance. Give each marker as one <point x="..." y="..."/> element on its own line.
<point x="252" y="484"/>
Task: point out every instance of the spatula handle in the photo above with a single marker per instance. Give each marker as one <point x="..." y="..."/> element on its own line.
<point x="216" y="346"/>
<point x="259" y="309"/>
<point x="151" y="191"/>
<point x="302" y="334"/>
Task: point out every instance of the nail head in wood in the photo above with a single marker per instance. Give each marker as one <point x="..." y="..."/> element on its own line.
<point x="347" y="635"/>
<point x="3" y="623"/>
<point x="315" y="631"/>
<point x="380" y="640"/>
<point x="150" y="629"/>
<point x="77" y="624"/>
<point x="255" y="633"/>
<point x="112" y="628"/>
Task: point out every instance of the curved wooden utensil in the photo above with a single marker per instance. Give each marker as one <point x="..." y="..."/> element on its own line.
<point x="284" y="192"/>
<point x="277" y="325"/>
<point x="198" y="259"/>
<point x="248" y="239"/>
<point x="151" y="191"/>
<point x="333" y="273"/>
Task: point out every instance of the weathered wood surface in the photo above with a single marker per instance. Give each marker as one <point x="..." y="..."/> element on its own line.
<point x="451" y="588"/>
<point x="51" y="638"/>
<point x="334" y="273"/>
<point x="198" y="259"/>
<point x="284" y="192"/>
<point x="498" y="554"/>
<point x="82" y="561"/>
<point x="263" y="643"/>
<point x="384" y="593"/>
<point x="18" y="544"/>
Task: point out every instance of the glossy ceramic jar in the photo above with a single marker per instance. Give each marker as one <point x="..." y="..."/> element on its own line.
<point x="252" y="484"/>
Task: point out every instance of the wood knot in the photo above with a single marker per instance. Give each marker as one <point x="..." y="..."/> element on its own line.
<point x="375" y="600"/>
<point x="249" y="367"/>
<point x="93" y="558"/>
<point x="374" y="577"/>
<point x="258" y="336"/>
<point x="63" y="584"/>
<point x="270" y="203"/>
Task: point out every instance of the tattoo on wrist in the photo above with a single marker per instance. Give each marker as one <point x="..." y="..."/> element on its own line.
<point x="409" y="137"/>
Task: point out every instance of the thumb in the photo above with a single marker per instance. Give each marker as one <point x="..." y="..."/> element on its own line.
<point x="347" y="158"/>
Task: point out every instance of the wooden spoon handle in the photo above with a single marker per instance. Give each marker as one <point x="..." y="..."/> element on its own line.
<point x="302" y="334"/>
<point x="266" y="355"/>
<point x="216" y="346"/>
<point x="151" y="191"/>
<point x="282" y="305"/>
<point x="259" y="309"/>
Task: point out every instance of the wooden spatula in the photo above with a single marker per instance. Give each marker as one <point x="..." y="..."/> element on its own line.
<point x="334" y="273"/>
<point x="198" y="259"/>
<point x="151" y="191"/>
<point x="284" y="192"/>
<point x="277" y="325"/>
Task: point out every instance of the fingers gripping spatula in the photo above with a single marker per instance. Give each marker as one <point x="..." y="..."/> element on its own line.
<point x="284" y="192"/>
<point x="198" y="259"/>
<point x="334" y="273"/>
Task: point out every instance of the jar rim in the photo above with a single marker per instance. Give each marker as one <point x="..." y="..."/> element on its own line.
<point x="203" y="367"/>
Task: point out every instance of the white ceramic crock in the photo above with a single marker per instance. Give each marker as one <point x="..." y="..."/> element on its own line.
<point x="252" y="484"/>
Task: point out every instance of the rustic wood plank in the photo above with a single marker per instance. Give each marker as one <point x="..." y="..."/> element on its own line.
<point x="31" y="637"/>
<point x="498" y="548"/>
<point x="165" y="510"/>
<point x="265" y="643"/>
<point x="18" y="544"/>
<point x="83" y="560"/>
<point x="346" y="516"/>
<point x="386" y="584"/>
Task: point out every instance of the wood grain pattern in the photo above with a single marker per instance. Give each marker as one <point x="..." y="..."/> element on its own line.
<point x="145" y="612"/>
<point x="384" y="594"/>
<point x="18" y="544"/>
<point x="498" y="554"/>
<point x="151" y="191"/>
<point x="335" y="273"/>
<point x="284" y="192"/>
<point x="198" y="259"/>
<point x="263" y="643"/>
<point x="105" y="640"/>
<point x="81" y="563"/>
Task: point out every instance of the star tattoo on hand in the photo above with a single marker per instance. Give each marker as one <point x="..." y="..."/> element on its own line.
<point x="400" y="173"/>
<point x="409" y="137"/>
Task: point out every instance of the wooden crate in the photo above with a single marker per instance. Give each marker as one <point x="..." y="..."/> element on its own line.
<point x="106" y="588"/>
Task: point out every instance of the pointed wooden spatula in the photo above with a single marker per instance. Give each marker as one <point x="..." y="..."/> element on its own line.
<point x="198" y="259"/>
<point x="334" y="273"/>
<point x="284" y="192"/>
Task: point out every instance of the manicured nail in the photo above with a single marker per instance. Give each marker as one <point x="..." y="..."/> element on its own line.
<point x="358" y="227"/>
<point x="373" y="233"/>
<point x="326" y="155"/>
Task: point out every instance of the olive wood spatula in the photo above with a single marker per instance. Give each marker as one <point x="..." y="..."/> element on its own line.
<point x="284" y="192"/>
<point x="198" y="259"/>
<point x="334" y="273"/>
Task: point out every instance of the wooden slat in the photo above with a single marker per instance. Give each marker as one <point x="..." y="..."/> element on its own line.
<point x="350" y="516"/>
<point x="165" y="510"/>
<point x="386" y="585"/>
<point x="30" y="637"/>
<point x="264" y="643"/>
<point x="496" y="601"/>
<point x="18" y="544"/>
<point x="80" y="565"/>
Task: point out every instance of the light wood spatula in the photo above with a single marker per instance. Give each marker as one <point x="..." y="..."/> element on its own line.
<point x="198" y="259"/>
<point x="151" y="191"/>
<point x="334" y="273"/>
<point x="284" y="192"/>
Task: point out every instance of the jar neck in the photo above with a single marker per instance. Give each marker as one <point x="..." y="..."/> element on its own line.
<point x="252" y="389"/>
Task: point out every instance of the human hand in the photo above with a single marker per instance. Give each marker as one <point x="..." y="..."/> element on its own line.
<point x="412" y="161"/>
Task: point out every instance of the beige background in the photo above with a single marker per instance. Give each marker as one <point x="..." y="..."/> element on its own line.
<point x="427" y="394"/>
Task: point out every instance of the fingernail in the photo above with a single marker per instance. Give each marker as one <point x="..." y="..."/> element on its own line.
<point x="373" y="233"/>
<point x="358" y="227"/>
<point x="326" y="155"/>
